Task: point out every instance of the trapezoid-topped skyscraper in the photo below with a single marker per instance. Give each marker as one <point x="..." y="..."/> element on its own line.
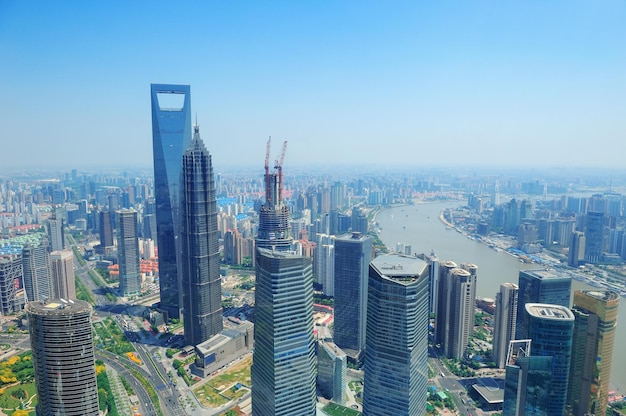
<point x="200" y="257"/>
<point x="171" y="135"/>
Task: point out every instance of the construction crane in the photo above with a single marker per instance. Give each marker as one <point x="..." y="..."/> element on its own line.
<point x="279" y="167"/>
<point x="267" y="171"/>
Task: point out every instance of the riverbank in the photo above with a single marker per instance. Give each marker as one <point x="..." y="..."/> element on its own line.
<point x="424" y="232"/>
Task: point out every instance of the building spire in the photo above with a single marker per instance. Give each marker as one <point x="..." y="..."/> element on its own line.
<point x="196" y="127"/>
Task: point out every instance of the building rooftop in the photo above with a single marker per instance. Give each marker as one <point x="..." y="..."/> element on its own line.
<point x="334" y="349"/>
<point x="547" y="311"/>
<point x="399" y="267"/>
<point x="490" y="389"/>
<point x="58" y="307"/>
<point x="545" y="274"/>
<point x="604" y="295"/>
<point x="223" y="337"/>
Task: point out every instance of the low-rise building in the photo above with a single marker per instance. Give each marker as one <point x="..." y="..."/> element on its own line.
<point x="223" y="348"/>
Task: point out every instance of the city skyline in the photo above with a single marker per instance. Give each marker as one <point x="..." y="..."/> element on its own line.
<point x="492" y="79"/>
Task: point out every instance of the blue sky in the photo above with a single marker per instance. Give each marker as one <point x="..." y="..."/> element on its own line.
<point x="505" y="83"/>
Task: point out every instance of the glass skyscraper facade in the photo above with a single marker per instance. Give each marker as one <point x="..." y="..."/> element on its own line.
<point x="551" y="327"/>
<point x="595" y="313"/>
<point x="396" y="351"/>
<point x="527" y="386"/>
<point x="505" y="322"/>
<point x="540" y="286"/>
<point x="353" y="253"/>
<point x="200" y="258"/>
<point x="171" y="135"/>
<point x="283" y="368"/>
<point x="36" y="267"/>
<point x="128" y="252"/>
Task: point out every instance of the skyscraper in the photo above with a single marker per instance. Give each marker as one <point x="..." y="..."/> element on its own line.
<point x="128" y="252"/>
<point x="331" y="371"/>
<point x="10" y="271"/>
<point x="105" y="230"/>
<point x="171" y="135"/>
<point x="37" y="281"/>
<point x="551" y="328"/>
<point x="283" y="368"/>
<point x="396" y="352"/>
<point x="454" y="321"/>
<point x="63" y="357"/>
<point x="540" y="286"/>
<point x="62" y="274"/>
<point x="576" y="249"/>
<point x="353" y="253"/>
<point x="594" y="236"/>
<point x="595" y="322"/>
<point x="55" y="233"/>
<point x="200" y="268"/>
<point x="324" y="265"/>
<point x="528" y="382"/>
<point x="505" y="322"/>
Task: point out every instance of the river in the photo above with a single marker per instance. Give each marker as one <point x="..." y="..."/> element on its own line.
<point x="419" y="226"/>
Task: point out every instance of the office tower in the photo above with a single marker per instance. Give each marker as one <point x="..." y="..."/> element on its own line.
<point x="283" y="368"/>
<point x="128" y="252"/>
<point x="454" y="322"/>
<point x="147" y="249"/>
<point x="63" y="357"/>
<point x="10" y="271"/>
<point x="324" y="267"/>
<point x="576" y="249"/>
<point x="434" y="282"/>
<point x="396" y="351"/>
<point x="359" y="221"/>
<point x="171" y="135"/>
<point x="62" y="274"/>
<point x="273" y="215"/>
<point x="331" y="372"/>
<point x="540" y="286"/>
<point x="595" y="322"/>
<point x="36" y="267"/>
<point x="551" y="328"/>
<point x="233" y="247"/>
<point x="106" y="229"/>
<point x="200" y="258"/>
<point x="353" y="253"/>
<point x="55" y="233"/>
<point x="528" y="382"/>
<point x="505" y="322"/>
<point x="594" y="236"/>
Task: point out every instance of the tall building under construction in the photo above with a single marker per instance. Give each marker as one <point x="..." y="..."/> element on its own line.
<point x="283" y="369"/>
<point x="274" y="216"/>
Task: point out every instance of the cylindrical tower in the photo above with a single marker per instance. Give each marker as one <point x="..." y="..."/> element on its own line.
<point x="63" y="356"/>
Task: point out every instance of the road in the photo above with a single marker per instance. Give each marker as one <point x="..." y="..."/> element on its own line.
<point x="450" y="383"/>
<point x="146" y="406"/>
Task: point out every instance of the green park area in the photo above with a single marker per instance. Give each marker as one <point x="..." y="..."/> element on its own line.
<point x="18" y="395"/>
<point x="226" y="386"/>
<point x="333" y="409"/>
<point x="110" y="337"/>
